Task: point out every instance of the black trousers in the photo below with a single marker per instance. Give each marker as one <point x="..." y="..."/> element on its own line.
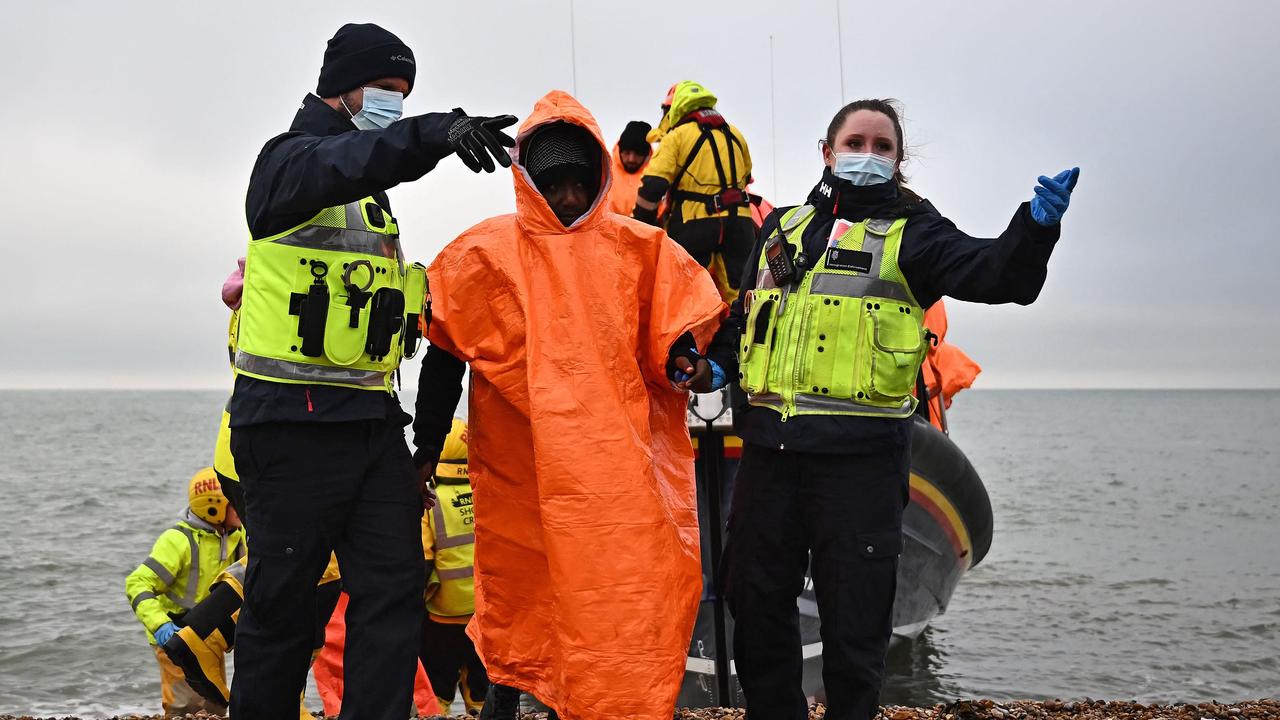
<point x="309" y="489"/>
<point x="732" y="237"/>
<point x="844" y="512"/>
<point x="446" y="651"/>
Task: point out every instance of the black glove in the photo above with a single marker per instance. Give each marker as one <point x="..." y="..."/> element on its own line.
<point x="646" y="216"/>
<point x="475" y="139"/>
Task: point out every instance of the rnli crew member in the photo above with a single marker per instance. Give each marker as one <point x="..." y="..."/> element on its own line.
<point x="702" y="169"/>
<point x="826" y="339"/>
<point x="630" y="158"/>
<point x="448" y="542"/>
<point x="176" y="576"/>
<point x="330" y="306"/>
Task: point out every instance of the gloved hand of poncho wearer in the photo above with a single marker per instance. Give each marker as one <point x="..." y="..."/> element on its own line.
<point x="476" y="139"/>
<point x="690" y="370"/>
<point x="1053" y="195"/>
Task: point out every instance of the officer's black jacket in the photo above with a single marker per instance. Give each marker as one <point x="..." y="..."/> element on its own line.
<point x="936" y="259"/>
<point x="321" y="162"/>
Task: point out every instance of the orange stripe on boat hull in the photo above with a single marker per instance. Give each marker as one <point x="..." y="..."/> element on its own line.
<point x="929" y="497"/>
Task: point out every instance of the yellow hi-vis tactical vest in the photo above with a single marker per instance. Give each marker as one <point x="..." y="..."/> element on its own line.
<point x="451" y="588"/>
<point x="330" y="301"/>
<point x="847" y="340"/>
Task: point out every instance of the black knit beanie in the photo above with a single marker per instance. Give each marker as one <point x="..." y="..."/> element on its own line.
<point x="565" y="147"/>
<point x="633" y="137"/>
<point x="360" y="53"/>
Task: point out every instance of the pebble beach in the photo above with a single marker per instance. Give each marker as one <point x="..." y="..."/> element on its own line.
<point x="959" y="710"/>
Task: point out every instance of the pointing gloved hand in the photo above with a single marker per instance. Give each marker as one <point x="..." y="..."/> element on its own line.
<point x="164" y="632"/>
<point x="476" y="139"/>
<point x="1053" y="195"/>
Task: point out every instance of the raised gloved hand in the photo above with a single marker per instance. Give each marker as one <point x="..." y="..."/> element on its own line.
<point x="1053" y="195"/>
<point x="164" y="632"/>
<point x="478" y="141"/>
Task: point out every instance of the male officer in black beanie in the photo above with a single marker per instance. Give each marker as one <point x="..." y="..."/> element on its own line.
<point x="319" y="438"/>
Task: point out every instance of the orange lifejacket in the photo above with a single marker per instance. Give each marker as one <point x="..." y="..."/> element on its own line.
<point x="947" y="369"/>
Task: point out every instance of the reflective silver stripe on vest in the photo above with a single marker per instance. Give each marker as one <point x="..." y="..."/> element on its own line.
<point x="764" y="278"/>
<point x="160" y="570"/>
<point x="237" y="571"/>
<point x="825" y="404"/>
<point x="443" y="540"/>
<point x="455" y="573"/>
<point x="873" y="242"/>
<point x="856" y="286"/>
<point x="187" y="600"/>
<point x="137" y="599"/>
<point x="285" y="370"/>
<point x="802" y="213"/>
<point x="354" y="238"/>
<point x="879" y="226"/>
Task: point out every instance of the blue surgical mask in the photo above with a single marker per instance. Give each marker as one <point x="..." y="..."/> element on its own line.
<point x="380" y="109"/>
<point x="863" y="168"/>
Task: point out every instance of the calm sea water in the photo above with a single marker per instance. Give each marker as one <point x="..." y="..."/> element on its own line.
<point x="1136" y="552"/>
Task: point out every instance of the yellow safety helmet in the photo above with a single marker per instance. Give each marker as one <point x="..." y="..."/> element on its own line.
<point x="204" y="494"/>
<point x="453" y="456"/>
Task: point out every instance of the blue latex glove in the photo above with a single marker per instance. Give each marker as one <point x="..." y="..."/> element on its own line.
<point x="164" y="632"/>
<point x="717" y="375"/>
<point x="1053" y="195"/>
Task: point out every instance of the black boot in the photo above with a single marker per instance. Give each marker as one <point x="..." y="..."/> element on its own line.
<point x="501" y="703"/>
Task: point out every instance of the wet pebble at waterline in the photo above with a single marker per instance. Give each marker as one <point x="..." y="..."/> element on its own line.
<point x="959" y="710"/>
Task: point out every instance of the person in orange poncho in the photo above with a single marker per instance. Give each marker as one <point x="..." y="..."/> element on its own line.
<point x="630" y="158"/>
<point x="574" y="321"/>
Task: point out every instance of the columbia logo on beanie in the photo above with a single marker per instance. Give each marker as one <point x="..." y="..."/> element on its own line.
<point x="357" y="54"/>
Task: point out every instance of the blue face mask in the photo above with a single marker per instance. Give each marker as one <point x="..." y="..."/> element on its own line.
<point x="380" y="109"/>
<point x="863" y="168"/>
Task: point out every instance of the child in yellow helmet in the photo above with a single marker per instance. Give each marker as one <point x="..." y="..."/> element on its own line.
<point x="448" y="541"/>
<point x="177" y="574"/>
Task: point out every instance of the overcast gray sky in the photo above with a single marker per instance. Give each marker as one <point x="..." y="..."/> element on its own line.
<point x="129" y="129"/>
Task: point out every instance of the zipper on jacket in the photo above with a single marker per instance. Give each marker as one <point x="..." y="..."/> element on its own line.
<point x="310" y="407"/>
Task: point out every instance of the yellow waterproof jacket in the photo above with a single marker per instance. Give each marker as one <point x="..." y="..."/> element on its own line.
<point x="177" y="574"/>
<point x="701" y="175"/>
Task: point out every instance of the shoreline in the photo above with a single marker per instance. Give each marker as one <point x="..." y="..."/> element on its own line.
<point x="1083" y="709"/>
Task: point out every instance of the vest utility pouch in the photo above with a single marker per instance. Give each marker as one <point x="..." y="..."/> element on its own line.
<point x="416" y="307"/>
<point x="386" y="318"/>
<point x="757" y="341"/>
<point x="313" y="312"/>
<point x="344" y="344"/>
<point x="893" y="334"/>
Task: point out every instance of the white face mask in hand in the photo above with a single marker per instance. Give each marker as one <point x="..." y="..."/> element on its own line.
<point x="863" y="168"/>
<point x="380" y="109"/>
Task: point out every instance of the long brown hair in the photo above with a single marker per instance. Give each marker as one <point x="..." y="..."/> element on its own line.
<point x="889" y="108"/>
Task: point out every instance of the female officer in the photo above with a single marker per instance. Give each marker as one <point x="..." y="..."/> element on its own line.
<point x="826" y="339"/>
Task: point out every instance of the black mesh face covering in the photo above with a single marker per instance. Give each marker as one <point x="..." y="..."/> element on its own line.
<point x="566" y="148"/>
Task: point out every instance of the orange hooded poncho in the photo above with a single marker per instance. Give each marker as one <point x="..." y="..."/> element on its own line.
<point x="586" y="556"/>
<point x="626" y="186"/>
